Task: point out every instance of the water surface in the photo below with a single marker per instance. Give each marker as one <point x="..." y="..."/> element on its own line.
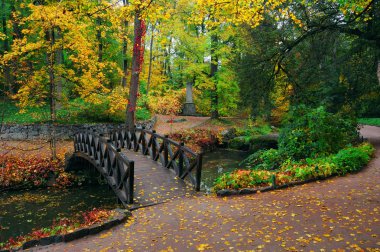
<point x="218" y="162"/>
<point x="22" y="211"/>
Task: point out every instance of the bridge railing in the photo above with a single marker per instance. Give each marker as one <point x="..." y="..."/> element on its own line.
<point x="115" y="167"/>
<point x="161" y="148"/>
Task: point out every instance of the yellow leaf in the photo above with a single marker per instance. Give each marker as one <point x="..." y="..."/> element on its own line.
<point x="203" y="247"/>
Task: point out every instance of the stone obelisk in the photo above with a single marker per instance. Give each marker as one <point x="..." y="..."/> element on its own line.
<point x="189" y="107"/>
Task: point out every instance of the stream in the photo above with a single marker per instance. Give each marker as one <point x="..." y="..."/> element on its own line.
<point x="218" y="162"/>
<point x="23" y="211"/>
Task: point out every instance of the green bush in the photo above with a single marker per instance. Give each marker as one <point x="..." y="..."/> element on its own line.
<point x="315" y="132"/>
<point x="265" y="160"/>
<point x="353" y="159"/>
<point x="347" y="160"/>
<point x="242" y="179"/>
<point x="264" y="142"/>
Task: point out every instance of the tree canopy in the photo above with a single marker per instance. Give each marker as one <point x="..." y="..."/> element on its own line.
<point x="241" y="57"/>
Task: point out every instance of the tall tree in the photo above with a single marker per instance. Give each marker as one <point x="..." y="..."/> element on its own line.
<point x="125" y="25"/>
<point x="137" y="61"/>
<point x="6" y="48"/>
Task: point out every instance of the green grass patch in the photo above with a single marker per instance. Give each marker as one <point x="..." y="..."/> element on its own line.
<point x="68" y="114"/>
<point x="74" y="112"/>
<point x="370" y="121"/>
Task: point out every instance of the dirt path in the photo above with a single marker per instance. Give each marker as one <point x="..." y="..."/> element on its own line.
<point x="339" y="213"/>
<point x="167" y="124"/>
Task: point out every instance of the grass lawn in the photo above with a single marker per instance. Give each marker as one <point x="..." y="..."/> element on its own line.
<point x="370" y="121"/>
<point x="12" y="114"/>
<point x="74" y="112"/>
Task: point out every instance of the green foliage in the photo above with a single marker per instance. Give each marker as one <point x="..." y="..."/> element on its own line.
<point x="352" y="159"/>
<point x="370" y="121"/>
<point x="69" y="113"/>
<point x="347" y="160"/>
<point x="242" y="179"/>
<point x="61" y="226"/>
<point x="253" y="129"/>
<point x="264" y="142"/>
<point x="265" y="160"/>
<point x="315" y="132"/>
<point x="239" y="143"/>
<point x="142" y="112"/>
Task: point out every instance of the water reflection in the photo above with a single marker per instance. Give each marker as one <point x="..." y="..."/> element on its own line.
<point x="22" y="211"/>
<point x="218" y="162"/>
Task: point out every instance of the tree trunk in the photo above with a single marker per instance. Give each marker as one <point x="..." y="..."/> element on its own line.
<point x="58" y="61"/>
<point x="378" y="71"/>
<point x="99" y="39"/>
<point x="50" y="62"/>
<point x="150" y="61"/>
<point x="137" y="61"/>
<point x="16" y="34"/>
<point x="168" y="63"/>
<point x="213" y="71"/>
<point x="124" y="51"/>
<point x="7" y="72"/>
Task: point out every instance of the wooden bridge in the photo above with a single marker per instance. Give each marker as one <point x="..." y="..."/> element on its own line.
<point x="141" y="166"/>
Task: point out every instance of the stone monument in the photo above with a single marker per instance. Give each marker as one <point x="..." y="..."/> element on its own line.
<point x="189" y="106"/>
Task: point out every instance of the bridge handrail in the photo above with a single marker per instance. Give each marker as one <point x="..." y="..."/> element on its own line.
<point x="115" y="166"/>
<point x="182" y="160"/>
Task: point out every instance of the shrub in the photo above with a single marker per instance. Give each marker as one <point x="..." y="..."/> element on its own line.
<point x="242" y="179"/>
<point x="196" y="139"/>
<point x="347" y="160"/>
<point x="33" y="172"/>
<point x="265" y="160"/>
<point x="315" y="132"/>
<point x="264" y="142"/>
<point x="169" y="103"/>
<point x="352" y="159"/>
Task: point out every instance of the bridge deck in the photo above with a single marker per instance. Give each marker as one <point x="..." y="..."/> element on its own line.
<point x="154" y="183"/>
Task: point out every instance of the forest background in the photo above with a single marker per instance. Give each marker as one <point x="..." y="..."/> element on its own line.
<point x="86" y="61"/>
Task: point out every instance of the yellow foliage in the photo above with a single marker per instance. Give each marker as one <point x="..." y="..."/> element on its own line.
<point x="76" y="39"/>
<point x="237" y="12"/>
<point x="32" y="93"/>
<point x="168" y="104"/>
<point x="281" y="102"/>
<point x="202" y="105"/>
<point x="117" y="100"/>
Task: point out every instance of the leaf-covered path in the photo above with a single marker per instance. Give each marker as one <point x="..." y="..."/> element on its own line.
<point x="339" y="213"/>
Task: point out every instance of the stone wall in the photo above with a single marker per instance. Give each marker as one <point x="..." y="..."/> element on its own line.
<point x="41" y="131"/>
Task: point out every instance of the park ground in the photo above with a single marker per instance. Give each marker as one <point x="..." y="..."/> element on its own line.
<point x="338" y="214"/>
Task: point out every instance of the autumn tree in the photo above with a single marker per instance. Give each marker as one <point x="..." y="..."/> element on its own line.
<point x="50" y="28"/>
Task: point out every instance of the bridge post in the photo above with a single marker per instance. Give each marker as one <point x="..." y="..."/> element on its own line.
<point x="75" y="143"/>
<point x="166" y="151"/>
<point x="198" y="172"/>
<point x="135" y="140"/>
<point x="154" y="145"/>
<point x="180" y="160"/>
<point x="143" y="140"/>
<point x="131" y="176"/>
